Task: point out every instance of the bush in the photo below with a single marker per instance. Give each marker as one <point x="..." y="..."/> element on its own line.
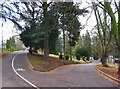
<point x="95" y="58"/>
<point x="78" y="56"/>
<point x="60" y="56"/>
<point x="30" y="51"/>
<point x="34" y="50"/>
<point x="88" y="59"/>
<point x="67" y="56"/>
<point x="82" y="52"/>
<point x="84" y="59"/>
<point x="55" y="53"/>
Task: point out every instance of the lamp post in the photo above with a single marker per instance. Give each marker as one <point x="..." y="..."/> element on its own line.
<point x="2" y="40"/>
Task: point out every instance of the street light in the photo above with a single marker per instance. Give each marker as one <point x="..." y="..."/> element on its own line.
<point x="2" y="40"/>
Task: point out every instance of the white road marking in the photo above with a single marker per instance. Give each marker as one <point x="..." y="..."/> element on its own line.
<point x="21" y="75"/>
<point x="20" y="69"/>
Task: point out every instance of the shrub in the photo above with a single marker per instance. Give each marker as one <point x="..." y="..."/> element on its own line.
<point x="78" y="56"/>
<point x="56" y="53"/>
<point x="67" y="56"/>
<point x="87" y="59"/>
<point x="84" y="59"/>
<point x="60" y="56"/>
<point x="82" y="52"/>
<point x="30" y="51"/>
<point x="34" y="50"/>
<point x="95" y="58"/>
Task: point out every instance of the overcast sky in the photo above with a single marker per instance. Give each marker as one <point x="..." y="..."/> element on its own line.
<point x="9" y="31"/>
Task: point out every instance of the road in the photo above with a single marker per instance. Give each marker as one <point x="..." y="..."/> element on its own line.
<point x="9" y="78"/>
<point x="79" y="75"/>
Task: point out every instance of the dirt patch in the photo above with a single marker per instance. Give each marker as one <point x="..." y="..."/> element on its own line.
<point x="2" y="54"/>
<point x="40" y="64"/>
<point x="110" y="71"/>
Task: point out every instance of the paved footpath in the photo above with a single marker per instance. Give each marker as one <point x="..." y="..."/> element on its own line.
<point x="79" y="75"/>
<point x="9" y="78"/>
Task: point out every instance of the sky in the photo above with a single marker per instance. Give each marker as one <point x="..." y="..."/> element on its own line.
<point x="9" y="31"/>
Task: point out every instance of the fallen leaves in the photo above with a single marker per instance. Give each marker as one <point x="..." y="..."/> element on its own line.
<point x="110" y="71"/>
<point x="40" y="64"/>
<point x="4" y="53"/>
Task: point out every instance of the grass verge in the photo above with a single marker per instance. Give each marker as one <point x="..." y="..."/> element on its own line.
<point x="40" y="64"/>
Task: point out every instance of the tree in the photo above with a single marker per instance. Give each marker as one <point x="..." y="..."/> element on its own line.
<point x="79" y="44"/>
<point x="82" y="53"/>
<point x="41" y="20"/>
<point x="37" y="22"/>
<point x="115" y="22"/>
<point x="96" y="47"/>
<point x="59" y="45"/>
<point x="108" y="11"/>
<point x="68" y="20"/>
<point x="87" y="43"/>
<point x="10" y="44"/>
<point x="114" y="25"/>
<point x="18" y="43"/>
<point x="7" y="44"/>
<point x="53" y="41"/>
<point x="104" y="33"/>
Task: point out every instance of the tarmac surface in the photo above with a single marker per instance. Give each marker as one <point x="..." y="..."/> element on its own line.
<point x="79" y="75"/>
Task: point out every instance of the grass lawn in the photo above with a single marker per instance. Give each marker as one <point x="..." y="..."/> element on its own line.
<point x="113" y="65"/>
<point x="73" y="58"/>
<point x="108" y="70"/>
<point x="40" y="64"/>
<point x="57" y="56"/>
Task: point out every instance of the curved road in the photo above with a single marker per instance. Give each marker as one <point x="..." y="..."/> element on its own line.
<point x="80" y="75"/>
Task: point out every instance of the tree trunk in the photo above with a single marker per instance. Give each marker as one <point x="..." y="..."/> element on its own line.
<point x="119" y="64"/>
<point x="104" y="61"/>
<point x="119" y="69"/>
<point x="102" y="33"/>
<point x="70" y="53"/>
<point x="63" y="44"/>
<point x="30" y="50"/>
<point x="46" y="46"/>
<point x="46" y="38"/>
<point x="119" y="48"/>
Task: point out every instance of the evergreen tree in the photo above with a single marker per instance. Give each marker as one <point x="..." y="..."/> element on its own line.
<point x="87" y="43"/>
<point x="42" y="22"/>
<point x="68" y="21"/>
<point x="10" y="44"/>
